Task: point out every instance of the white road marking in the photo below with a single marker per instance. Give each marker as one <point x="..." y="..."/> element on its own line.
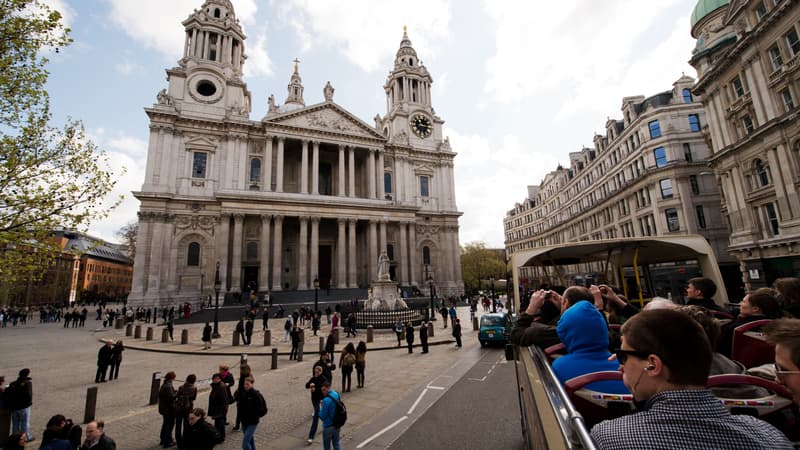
<point x="411" y="410"/>
<point x="477" y="379"/>
<point x="438" y="388"/>
<point x="379" y="433"/>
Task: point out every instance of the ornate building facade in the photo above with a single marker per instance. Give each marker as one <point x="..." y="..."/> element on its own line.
<point x="647" y="175"/>
<point x="746" y="57"/>
<point x="308" y="194"/>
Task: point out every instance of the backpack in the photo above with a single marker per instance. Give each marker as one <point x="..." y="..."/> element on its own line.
<point x="340" y="414"/>
<point x="183" y="403"/>
<point x="261" y="406"/>
<point x="349" y="359"/>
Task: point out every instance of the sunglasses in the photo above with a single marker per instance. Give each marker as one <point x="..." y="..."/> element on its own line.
<point x="781" y="374"/>
<point x="622" y="355"/>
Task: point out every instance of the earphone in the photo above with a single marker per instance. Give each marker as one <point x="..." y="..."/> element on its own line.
<point x="650" y="368"/>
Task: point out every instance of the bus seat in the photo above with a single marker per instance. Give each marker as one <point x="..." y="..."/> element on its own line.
<point x="554" y="351"/>
<point x="594" y="406"/>
<point x="722" y="315"/>
<point x="749" y="346"/>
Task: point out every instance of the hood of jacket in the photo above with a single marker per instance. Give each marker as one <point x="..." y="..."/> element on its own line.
<point x="582" y="328"/>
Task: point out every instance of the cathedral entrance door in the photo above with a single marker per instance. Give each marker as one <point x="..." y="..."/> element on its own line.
<point x="250" y="280"/>
<point x="324" y="269"/>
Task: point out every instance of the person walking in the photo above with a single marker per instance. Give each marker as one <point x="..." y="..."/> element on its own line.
<point x="457" y="332"/>
<point x="398" y="330"/>
<point x="330" y="344"/>
<point x="265" y="319"/>
<point x="295" y="336"/>
<point x="239" y="330"/>
<point x="171" y="327"/>
<point x="443" y="311"/>
<point x="207" y="336"/>
<point x="218" y="401"/>
<point x="287" y="328"/>
<point x="330" y="433"/>
<point x="166" y="407"/>
<point x="18" y="398"/>
<point x="423" y="336"/>
<point x="116" y="360"/>
<point x="200" y="435"/>
<point x="314" y="385"/>
<point x="103" y="361"/>
<point x="347" y="360"/>
<point x="248" y="332"/>
<point x="184" y="404"/>
<point x="252" y="407"/>
<point x="315" y="323"/>
<point x="244" y="372"/>
<point x="410" y="337"/>
<point x="228" y="381"/>
<point x="327" y="365"/>
<point x="361" y="363"/>
<point x="328" y="313"/>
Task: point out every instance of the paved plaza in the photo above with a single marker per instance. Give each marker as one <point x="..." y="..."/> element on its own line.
<point x="63" y="364"/>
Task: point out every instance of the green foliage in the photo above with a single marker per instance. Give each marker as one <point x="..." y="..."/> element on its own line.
<point x="128" y="234"/>
<point x="49" y="178"/>
<point x="479" y="263"/>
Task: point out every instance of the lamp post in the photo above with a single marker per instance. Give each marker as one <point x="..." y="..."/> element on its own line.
<point x="494" y="301"/>
<point x="216" y="334"/>
<point x="316" y="297"/>
<point x="429" y="279"/>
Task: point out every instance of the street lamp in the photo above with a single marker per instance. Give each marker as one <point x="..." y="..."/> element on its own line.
<point x="216" y="334"/>
<point x="494" y="302"/>
<point x="429" y="279"/>
<point x="316" y="297"/>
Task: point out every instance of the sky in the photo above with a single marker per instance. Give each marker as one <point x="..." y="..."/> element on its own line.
<point x="520" y="84"/>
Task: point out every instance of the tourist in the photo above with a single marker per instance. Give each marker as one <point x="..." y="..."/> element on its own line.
<point x="251" y="406"/>
<point x="410" y="336"/>
<point x="239" y="331"/>
<point x="116" y="360"/>
<point x="16" y="441"/>
<point x="361" y="362"/>
<point x="457" y="332"/>
<point x="700" y="291"/>
<point x="218" y="401"/>
<point x="207" y="330"/>
<point x="314" y="385"/>
<point x="295" y="336"/>
<point x="96" y="438"/>
<point x="785" y="335"/>
<point x="423" y="336"/>
<point x="166" y="407"/>
<point x="200" y="435"/>
<point x="398" y="330"/>
<point x="330" y="433"/>
<point x="244" y="372"/>
<point x="103" y="361"/>
<point x="18" y="398"/>
<point x="330" y="343"/>
<point x="347" y="361"/>
<point x="443" y="311"/>
<point x="248" y="332"/>
<point x="184" y="404"/>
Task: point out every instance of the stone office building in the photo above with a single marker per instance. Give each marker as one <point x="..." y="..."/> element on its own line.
<point x="307" y="193"/>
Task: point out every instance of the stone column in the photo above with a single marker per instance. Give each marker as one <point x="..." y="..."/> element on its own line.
<point x="314" y="272"/>
<point x="236" y="262"/>
<point x="383" y="246"/>
<point x="315" y="169"/>
<point x="457" y="277"/>
<point x="172" y="252"/>
<point x="302" y="254"/>
<point x="156" y="256"/>
<point x="223" y="236"/>
<point x="139" y="282"/>
<point x="401" y="255"/>
<point x="412" y="252"/>
<point x="381" y="190"/>
<point x="687" y="205"/>
<point x="279" y="166"/>
<point x="341" y="247"/>
<point x="352" y="271"/>
<point x="370" y="173"/>
<point x="263" y="257"/>
<point x="351" y="171"/>
<point x="784" y="174"/>
<point x="400" y="178"/>
<point x="304" y="169"/>
<point x="268" y="165"/>
<point x="341" y="190"/>
<point x="277" y="255"/>
<point x="373" y="251"/>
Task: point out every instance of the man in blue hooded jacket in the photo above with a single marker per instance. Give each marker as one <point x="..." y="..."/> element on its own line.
<point x="330" y="433"/>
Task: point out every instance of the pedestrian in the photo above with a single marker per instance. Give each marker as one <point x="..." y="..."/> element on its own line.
<point x="361" y="363"/>
<point x="244" y="372"/>
<point x="61" y="434"/>
<point x="287" y="328"/>
<point x="335" y="319"/>
<point x="96" y="438"/>
<point x="295" y="335"/>
<point x="457" y="332"/>
<point x="18" y="398"/>
<point x="398" y="330"/>
<point x="443" y="311"/>
<point x="410" y="336"/>
<point x="327" y="365"/>
<point x="116" y="360"/>
<point x="330" y="433"/>
<point x="314" y="385"/>
<point x="218" y="401"/>
<point x="207" y="336"/>
<point x="452" y="313"/>
<point x="330" y="343"/>
<point x="248" y="332"/>
<point x="265" y="319"/>
<point x="228" y="381"/>
<point x="171" y="327"/>
<point x="103" y="361"/>
<point x="16" y="441"/>
<point x="423" y="336"/>
<point x="184" y="404"/>
<point x="166" y="407"/>
<point x="328" y="313"/>
<point x="347" y="360"/>
<point x="200" y="435"/>
<point x="315" y="323"/>
<point x="239" y="330"/>
<point x="252" y="406"/>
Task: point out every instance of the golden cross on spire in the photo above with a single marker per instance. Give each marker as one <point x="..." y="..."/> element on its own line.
<point x="296" y="62"/>
<point x="405" y="31"/>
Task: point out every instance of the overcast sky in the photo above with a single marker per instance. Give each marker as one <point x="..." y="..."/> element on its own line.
<point x="520" y="84"/>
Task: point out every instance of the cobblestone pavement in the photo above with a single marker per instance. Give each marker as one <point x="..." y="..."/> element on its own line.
<point x="63" y="365"/>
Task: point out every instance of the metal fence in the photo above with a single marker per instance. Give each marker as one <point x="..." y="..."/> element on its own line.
<point x="386" y="319"/>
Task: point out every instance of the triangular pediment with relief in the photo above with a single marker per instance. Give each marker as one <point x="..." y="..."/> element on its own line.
<point x="327" y="117"/>
<point x="200" y="143"/>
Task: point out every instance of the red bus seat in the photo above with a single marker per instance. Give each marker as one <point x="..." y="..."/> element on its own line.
<point x="554" y="351"/>
<point x="594" y="406"/>
<point x="749" y="346"/>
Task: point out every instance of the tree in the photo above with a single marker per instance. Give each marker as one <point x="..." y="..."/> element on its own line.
<point x="479" y="263"/>
<point x="50" y="178"/>
<point x="128" y="235"/>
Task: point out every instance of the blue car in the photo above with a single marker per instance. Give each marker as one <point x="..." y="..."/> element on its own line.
<point x="495" y="327"/>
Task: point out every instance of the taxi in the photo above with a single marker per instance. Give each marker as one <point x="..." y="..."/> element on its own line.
<point x="494" y="327"/>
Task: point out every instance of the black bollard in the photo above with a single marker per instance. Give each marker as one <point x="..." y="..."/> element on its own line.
<point x="235" y="342"/>
<point x="274" y="359"/>
<point x="154" y="385"/>
<point x="336" y="335"/>
<point x="149" y="334"/>
<point x="300" y="350"/>
<point x="370" y="334"/>
<point x="91" y="404"/>
<point x="137" y="332"/>
<point x="430" y="329"/>
<point x="165" y="335"/>
<point x="321" y="344"/>
<point x="267" y="338"/>
<point x="129" y="330"/>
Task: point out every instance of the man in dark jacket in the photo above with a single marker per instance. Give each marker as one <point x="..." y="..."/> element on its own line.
<point x="103" y="361"/>
<point x="96" y="438"/>
<point x="218" y="401"/>
<point x="166" y="402"/>
<point x="700" y="291"/>
<point x="19" y="398"/>
<point x="423" y="336"/>
<point x="327" y="365"/>
<point x="201" y="435"/>
<point x="252" y="407"/>
<point x="240" y="330"/>
<point x="409" y="337"/>
<point x="457" y="332"/>
<point x="248" y="332"/>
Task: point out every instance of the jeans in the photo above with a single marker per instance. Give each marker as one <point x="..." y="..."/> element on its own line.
<point x="330" y="435"/>
<point x="21" y="421"/>
<point x="314" y="421"/>
<point x="248" y="442"/>
<point x="166" y="429"/>
<point x="113" y="374"/>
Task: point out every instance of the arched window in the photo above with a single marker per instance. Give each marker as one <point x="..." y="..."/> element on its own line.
<point x="193" y="255"/>
<point x="761" y="172"/>
<point x="216" y="13"/>
<point x="426" y="255"/>
<point x="255" y="170"/>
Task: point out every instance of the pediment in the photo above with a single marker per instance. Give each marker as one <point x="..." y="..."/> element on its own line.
<point x="200" y="143"/>
<point x="326" y="117"/>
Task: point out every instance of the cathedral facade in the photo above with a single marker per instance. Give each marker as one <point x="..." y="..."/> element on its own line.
<point x="309" y="196"/>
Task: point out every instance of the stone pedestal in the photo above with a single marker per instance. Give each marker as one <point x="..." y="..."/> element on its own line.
<point x="383" y="296"/>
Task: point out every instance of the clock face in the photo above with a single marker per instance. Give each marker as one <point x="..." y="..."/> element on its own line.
<point x="421" y="126"/>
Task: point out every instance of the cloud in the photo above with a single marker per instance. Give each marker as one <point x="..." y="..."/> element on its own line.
<point x="258" y="60"/>
<point x="128" y="68"/>
<point x="367" y="32"/>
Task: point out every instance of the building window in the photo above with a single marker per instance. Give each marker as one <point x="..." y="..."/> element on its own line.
<point x="749" y="127"/>
<point x="701" y="216"/>
<point x="199" y="164"/>
<point x="387" y="182"/>
<point x="694" y="122"/>
<point x="251" y="251"/>
<point x="786" y="97"/>
<point x="775" y="57"/>
<point x="426" y="255"/>
<point x="255" y="170"/>
<point x="694" y="185"/>
<point x="673" y="224"/>
<point x="666" y="188"/>
<point x="390" y="252"/>
<point x="687" y="96"/>
<point x="761" y="10"/>
<point x="424" y="190"/>
<point x="772" y="218"/>
<point x="687" y="152"/>
<point x="793" y="41"/>
<point x="660" y="156"/>
<point x="193" y="255"/>
<point x="761" y="172"/>
<point x="655" y="129"/>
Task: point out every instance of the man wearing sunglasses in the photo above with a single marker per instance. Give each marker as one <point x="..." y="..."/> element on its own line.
<point x="665" y="359"/>
<point x="785" y="335"/>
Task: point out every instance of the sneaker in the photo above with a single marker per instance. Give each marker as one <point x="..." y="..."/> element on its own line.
<point x="310" y="441"/>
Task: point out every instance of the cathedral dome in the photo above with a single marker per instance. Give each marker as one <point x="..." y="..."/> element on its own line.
<point x="706" y="7"/>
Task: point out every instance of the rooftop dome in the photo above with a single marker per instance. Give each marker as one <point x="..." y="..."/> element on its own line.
<point x="706" y="7"/>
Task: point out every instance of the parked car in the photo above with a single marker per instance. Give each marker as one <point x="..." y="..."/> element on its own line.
<point x="494" y="327"/>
